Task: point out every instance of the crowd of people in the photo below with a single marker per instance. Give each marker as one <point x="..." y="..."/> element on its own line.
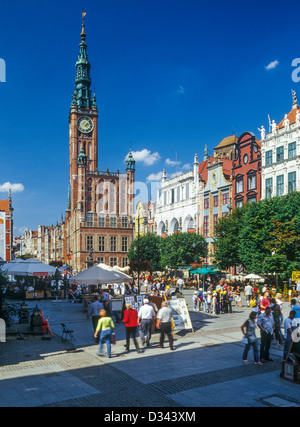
<point x="267" y="315"/>
<point x="146" y="319"/>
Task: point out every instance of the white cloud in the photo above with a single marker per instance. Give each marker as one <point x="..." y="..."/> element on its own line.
<point x="272" y="65"/>
<point x="181" y="90"/>
<point x="146" y="157"/>
<point x="154" y="177"/>
<point x="186" y="167"/>
<point x="22" y="230"/>
<point x="15" y="188"/>
<point x="170" y="162"/>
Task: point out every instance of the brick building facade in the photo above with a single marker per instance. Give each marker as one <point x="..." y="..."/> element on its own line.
<point x="246" y="171"/>
<point x="100" y="211"/>
<point x="6" y="229"/>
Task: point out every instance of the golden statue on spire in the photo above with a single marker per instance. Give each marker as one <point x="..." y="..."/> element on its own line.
<point x="83" y="35"/>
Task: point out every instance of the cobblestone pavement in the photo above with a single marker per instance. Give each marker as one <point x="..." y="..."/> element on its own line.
<point x="204" y="370"/>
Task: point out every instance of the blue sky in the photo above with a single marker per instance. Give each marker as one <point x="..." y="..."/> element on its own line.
<point x="170" y="76"/>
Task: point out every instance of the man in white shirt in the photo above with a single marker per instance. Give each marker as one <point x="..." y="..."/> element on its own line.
<point x="163" y="322"/>
<point x="145" y="316"/>
<point x="180" y="284"/>
<point x="248" y="293"/>
<point x="289" y="326"/>
<point x="94" y="311"/>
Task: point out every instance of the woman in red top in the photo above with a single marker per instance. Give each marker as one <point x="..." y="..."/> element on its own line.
<point x="130" y="320"/>
<point x="45" y="326"/>
<point x="265" y="302"/>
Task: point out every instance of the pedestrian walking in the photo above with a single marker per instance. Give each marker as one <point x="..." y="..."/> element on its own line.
<point x="277" y="315"/>
<point x="94" y="312"/>
<point x="163" y="322"/>
<point x="180" y="283"/>
<point x="145" y="316"/>
<point x="106" y="329"/>
<point x="265" y="301"/>
<point x="267" y="327"/>
<point x="130" y="320"/>
<point x="237" y="297"/>
<point x="248" y="329"/>
<point x="195" y="301"/>
<point x="296" y="308"/>
<point x="248" y="293"/>
<point x="289" y="327"/>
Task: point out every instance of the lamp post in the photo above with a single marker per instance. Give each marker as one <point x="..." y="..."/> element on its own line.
<point x="138" y="247"/>
<point x="229" y="206"/>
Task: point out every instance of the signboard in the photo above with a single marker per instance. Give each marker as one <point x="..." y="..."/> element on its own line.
<point x="2" y="236"/>
<point x="136" y="301"/>
<point x="296" y="276"/>
<point x="40" y="274"/>
<point x="180" y="314"/>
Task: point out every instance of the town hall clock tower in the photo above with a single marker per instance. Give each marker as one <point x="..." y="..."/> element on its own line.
<point x="83" y="120"/>
<point x="98" y="226"/>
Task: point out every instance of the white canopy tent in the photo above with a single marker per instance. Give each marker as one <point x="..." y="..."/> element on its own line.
<point x="99" y="274"/>
<point x="31" y="267"/>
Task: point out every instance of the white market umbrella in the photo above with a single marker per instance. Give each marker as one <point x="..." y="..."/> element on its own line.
<point x="99" y="274"/>
<point x="11" y="265"/>
<point x="32" y="267"/>
<point x="253" y="276"/>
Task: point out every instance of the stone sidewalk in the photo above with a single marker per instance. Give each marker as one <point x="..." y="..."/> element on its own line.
<point x="205" y="370"/>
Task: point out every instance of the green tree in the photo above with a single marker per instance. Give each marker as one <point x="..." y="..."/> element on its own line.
<point x="227" y="239"/>
<point x="269" y="239"/>
<point x="182" y="249"/>
<point x="149" y="250"/>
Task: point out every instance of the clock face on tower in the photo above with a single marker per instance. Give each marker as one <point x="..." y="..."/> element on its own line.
<point x="85" y="124"/>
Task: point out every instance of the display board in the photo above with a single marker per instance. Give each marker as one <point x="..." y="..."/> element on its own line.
<point x="136" y="301"/>
<point x="180" y="314"/>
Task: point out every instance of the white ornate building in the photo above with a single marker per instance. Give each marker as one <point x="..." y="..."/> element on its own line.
<point x="281" y="155"/>
<point x="177" y="208"/>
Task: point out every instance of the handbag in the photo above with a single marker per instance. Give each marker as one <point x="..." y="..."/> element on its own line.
<point x="245" y="340"/>
<point x="252" y="340"/>
<point x="113" y="339"/>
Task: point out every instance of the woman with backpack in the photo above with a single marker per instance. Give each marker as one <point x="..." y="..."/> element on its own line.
<point x="248" y="329"/>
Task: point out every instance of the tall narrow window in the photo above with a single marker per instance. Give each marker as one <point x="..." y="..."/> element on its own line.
<point x="269" y="157"/>
<point x="90" y="219"/>
<point x="280" y="154"/>
<point x="239" y="188"/>
<point x="206" y="226"/>
<point x="251" y="182"/>
<point x="291" y="182"/>
<point x="280" y="185"/>
<point x="124" y="244"/>
<point x="187" y="191"/>
<point x="269" y="188"/>
<point x="101" y="244"/>
<point x="113" y="244"/>
<point x="89" y="243"/>
<point x="292" y="150"/>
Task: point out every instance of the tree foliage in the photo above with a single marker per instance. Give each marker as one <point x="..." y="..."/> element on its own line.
<point x="149" y="250"/>
<point x="227" y="239"/>
<point x="264" y="237"/>
<point x="183" y="249"/>
<point x="173" y="251"/>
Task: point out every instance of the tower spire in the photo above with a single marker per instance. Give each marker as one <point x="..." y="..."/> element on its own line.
<point x="82" y="95"/>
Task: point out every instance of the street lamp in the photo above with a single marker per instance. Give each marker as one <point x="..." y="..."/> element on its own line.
<point x="229" y="206"/>
<point x="138" y="246"/>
